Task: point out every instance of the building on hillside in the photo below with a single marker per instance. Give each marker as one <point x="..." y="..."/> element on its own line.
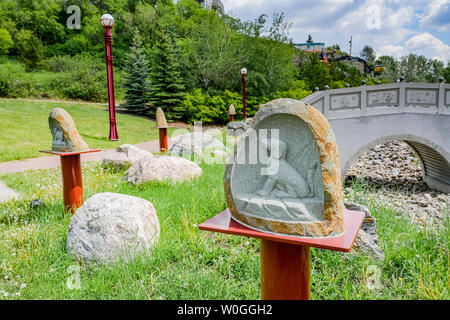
<point x="313" y="47"/>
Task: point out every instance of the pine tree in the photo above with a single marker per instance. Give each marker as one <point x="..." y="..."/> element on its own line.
<point x="168" y="89"/>
<point x="136" y="83"/>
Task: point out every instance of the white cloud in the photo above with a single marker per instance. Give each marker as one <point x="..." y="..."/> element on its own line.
<point x="437" y="15"/>
<point x="428" y="45"/>
<point x="394" y="30"/>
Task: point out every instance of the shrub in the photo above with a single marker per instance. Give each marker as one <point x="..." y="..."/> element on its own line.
<point x="4" y="86"/>
<point x="209" y="109"/>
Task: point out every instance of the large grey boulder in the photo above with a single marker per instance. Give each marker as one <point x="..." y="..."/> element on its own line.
<point x="162" y="168"/>
<point x="110" y="226"/>
<point x="7" y="194"/>
<point x="124" y="156"/>
<point x="367" y="239"/>
<point x="195" y="143"/>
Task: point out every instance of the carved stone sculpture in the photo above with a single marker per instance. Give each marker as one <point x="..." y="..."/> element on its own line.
<point x="65" y="135"/>
<point x="161" y="119"/>
<point x="285" y="177"/>
<point x="231" y="110"/>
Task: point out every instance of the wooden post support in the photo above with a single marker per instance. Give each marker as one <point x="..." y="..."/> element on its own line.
<point x="231" y="117"/>
<point x="163" y="144"/>
<point x="71" y="177"/>
<point x="285" y="271"/>
<point x="72" y="182"/>
<point x="285" y="261"/>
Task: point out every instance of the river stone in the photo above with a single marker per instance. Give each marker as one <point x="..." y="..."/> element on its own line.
<point x="110" y="226"/>
<point x="284" y="176"/>
<point x="364" y="244"/>
<point x="162" y="168"/>
<point x="7" y="194"/>
<point x="65" y="135"/>
<point x="369" y="223"/>
<point x="124" y="156"/>
<point x="195" y="143"/>
<point x="236" y="128"/>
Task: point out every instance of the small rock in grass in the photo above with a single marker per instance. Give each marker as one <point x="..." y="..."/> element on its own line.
<point x="162" y="168"/>
<point x="124" y="156"/>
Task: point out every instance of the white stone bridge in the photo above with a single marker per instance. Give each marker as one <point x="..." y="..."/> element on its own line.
<point x="416" y="113"/>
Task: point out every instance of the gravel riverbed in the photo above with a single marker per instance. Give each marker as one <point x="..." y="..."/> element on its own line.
<point x="392" y="175"/>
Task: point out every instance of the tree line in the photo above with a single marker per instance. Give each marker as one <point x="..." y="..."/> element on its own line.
<point x="186" y="59"/>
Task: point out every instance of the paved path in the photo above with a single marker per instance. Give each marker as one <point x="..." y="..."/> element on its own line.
<point x="50" y="162"/>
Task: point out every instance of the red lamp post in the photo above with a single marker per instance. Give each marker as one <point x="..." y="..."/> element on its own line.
<point x="108" y="22"/>
<point x="244" y="75"/>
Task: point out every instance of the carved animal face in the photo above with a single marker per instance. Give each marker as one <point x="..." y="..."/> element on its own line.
<point x="276" y="148"/>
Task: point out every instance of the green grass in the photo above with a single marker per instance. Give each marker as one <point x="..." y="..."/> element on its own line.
<point x="191" y="264"/>
<point x="24" y="130"/>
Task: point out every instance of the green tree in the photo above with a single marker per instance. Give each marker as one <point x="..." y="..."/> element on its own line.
<point x="368" y="54"/>
<point x="30" y="50"/>
<point x="5" y="41"/>
<point x="167" y="86"/>
<point x="136" y="83"/>
<point x="390" y="64"/>
<point x="314" y="72"/>
<point x="446" y="73"/>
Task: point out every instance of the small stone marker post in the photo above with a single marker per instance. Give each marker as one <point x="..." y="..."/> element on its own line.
<point x="282" y="185"/>
<point x="68" y="144"/>
<point x="231" y="112"/>
<point x="161" y="123"/>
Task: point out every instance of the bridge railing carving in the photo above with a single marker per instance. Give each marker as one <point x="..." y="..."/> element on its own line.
<point x="402" y="97"/>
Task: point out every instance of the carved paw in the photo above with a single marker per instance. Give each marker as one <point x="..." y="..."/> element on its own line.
<point x="261" y="193"/>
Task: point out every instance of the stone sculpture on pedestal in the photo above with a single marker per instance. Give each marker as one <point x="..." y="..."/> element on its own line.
<point x="65" y="135"/>
<point x="284" y="176"/>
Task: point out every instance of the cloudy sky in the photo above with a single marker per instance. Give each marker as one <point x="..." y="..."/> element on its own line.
<point x="391" y="27"/>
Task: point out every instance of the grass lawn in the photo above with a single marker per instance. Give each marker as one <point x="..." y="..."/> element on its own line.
<point x="191" y="264"/>
<point x="25" y="131"/>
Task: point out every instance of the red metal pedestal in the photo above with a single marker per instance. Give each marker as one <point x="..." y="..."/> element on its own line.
<point x="72" y="178"/>
<point x="163" y="144"/>
<point x="285" y="262"/>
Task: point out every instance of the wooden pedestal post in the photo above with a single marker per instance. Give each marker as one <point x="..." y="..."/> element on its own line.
<point x="231" y="117"/>
<point x="285" y="271"/>
<point x="285" y="261"/>
<point x="72" y="182"/>
<point x="71" y="177"/>
<point x="163" y="144"/>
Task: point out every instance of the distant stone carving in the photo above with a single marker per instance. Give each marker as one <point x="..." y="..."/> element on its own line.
<point x="161" y="121"/>
<point x="421" y="96"/>
<point x="348" y="101"/>
<point x="65" y="135"/>
<point x="382" y="98"/>
<point x="231" y="110"/>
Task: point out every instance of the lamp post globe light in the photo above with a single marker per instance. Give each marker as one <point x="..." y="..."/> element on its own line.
<point x="107" y="21"/>
<point x="244" y="75"/>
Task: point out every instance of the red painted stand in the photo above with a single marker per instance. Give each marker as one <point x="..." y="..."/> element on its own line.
<point x="163" y="144"/>
<point x="72" y="179"/>
<point x="231" y="117"/>
<point x="285" y="262"/>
